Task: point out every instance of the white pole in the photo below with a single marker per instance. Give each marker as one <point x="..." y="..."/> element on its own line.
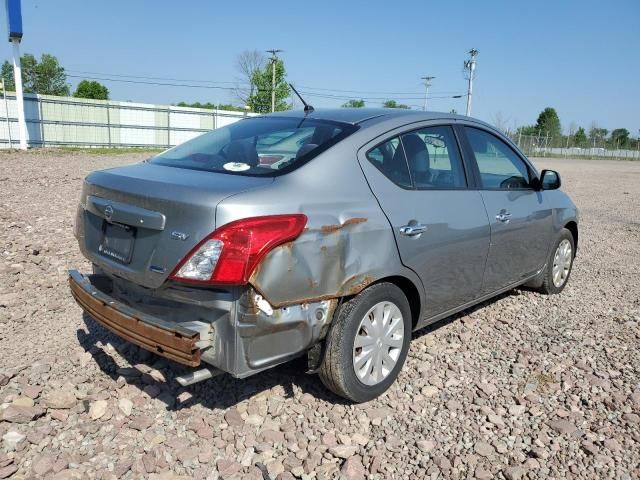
<point x="17" y="74"/>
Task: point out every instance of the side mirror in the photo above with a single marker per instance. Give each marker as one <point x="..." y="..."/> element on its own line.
<point x="549" y="180"/>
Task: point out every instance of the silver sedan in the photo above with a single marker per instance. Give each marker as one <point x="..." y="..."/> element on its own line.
<point x="331" y="234"/>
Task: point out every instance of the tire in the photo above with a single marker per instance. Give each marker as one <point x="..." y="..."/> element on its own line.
<point x="549" y="286"/>
<point x="338" y="371"/>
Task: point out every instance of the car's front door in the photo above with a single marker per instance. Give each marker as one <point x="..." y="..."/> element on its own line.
<point x="521" y="223"/>
<point x="441" y="226"/>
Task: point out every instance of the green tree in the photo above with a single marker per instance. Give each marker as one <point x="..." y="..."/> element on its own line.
<point x="597" y="134"/>
<point x="46" y="77"/>
<point x="580" y="137"/>
<point x="211" y="106"/>
<point x="91" y="89"/>
<point x="620" y="137"/>
<point x="549" y="123"/>
<point x="354" y="104"/>
<point x="394" y="104"/>
<point x="260" y="100"/>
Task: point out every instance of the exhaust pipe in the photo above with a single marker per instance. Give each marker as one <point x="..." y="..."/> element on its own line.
<point x="198" y="376"/>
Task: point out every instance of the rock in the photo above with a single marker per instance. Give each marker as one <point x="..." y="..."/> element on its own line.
<point x="631" y="418"/>
<point x="233" y="418"/>
<point x="442" y="462"/>
<point x="21" y="414"/>
<point x="23" y="402"/>
<point x="612" y="444"/>
<point x="6" y="472"/>
<point x="352" y="469"/>
<point x="226" y="467"/>
<point x="31" y="391"/>
<point x="4" y="379"/>
<point x="426" y="446"/>
<point x="563" y="427"/>
<point x="98" y="409"/>
<point x="343" y="451"/>
<point x="484" y="449"/>
<point x="42" y="464"/>
<point x="60" y="399"/>
<point x="496" y="420"/>
<point x="11" y="440"/>
<point x="360" y="439"/>
<point x="141" y="422"/>
<point x="126" y="406"/>
<point x="513" y="473"/>
<point x="516" y="410"/>
<point x="429" y="391"/>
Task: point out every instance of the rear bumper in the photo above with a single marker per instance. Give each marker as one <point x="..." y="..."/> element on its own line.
<point x="167" y="339"/>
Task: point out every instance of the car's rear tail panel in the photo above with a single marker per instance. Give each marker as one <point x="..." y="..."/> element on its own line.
<point x="139" y="221"/>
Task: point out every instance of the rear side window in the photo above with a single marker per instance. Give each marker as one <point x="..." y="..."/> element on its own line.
<point x="263" y="146"/>
<point x="389" y="158"/>
<point x="433" y="158"/>
<point x="500" y="167"/>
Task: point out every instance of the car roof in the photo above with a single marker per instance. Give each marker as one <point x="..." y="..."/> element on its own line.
<point x="358" y="116"/>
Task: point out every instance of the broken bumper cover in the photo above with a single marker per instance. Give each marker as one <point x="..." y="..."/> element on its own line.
<point x="163" y="338"/>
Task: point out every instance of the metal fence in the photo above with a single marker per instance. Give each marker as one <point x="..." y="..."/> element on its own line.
<point x="547" y="146"/>
<point x="68" y="121"/>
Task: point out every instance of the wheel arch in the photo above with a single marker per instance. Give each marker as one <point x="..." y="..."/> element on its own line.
<point x="412" y="293"/>
<point x="573" y="228"/>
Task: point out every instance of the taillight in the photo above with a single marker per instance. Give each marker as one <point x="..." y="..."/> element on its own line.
<point x="230" y="254"/>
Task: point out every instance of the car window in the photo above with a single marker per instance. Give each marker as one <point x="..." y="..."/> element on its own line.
<point x="500" y="167"/>
<point x="433" y="158"/>
<point x="389" y="158"/>
<point x="261" y="146"/>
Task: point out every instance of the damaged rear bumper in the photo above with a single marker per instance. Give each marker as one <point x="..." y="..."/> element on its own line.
<point x="232" y="329"/>
<point x="169" y="340"/>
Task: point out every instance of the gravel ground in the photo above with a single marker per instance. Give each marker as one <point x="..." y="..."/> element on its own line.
<point x="524" y="386"/>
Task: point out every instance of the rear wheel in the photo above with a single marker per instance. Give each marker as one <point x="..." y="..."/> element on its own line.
<point x="367" y="343"/>
<point x="559" y="265"/>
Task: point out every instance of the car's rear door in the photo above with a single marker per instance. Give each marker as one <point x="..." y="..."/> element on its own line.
<point x="520" y="220"/>
<point x="440" y="225"/>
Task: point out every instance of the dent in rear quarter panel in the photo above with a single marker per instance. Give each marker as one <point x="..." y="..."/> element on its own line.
<point x="346" y="245"/>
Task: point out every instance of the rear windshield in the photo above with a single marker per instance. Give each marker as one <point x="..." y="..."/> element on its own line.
<point x="263" y="146"/>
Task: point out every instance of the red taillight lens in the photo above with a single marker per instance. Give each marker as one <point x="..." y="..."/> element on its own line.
<point x="231" y="253"/>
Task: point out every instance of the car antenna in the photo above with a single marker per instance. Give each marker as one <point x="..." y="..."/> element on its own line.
<point x="307" y="108"/>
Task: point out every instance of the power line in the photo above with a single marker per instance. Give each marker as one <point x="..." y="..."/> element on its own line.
<point x="241" y="84"/>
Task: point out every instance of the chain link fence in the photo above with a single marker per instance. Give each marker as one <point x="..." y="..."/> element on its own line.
<point x="547" y="146"/>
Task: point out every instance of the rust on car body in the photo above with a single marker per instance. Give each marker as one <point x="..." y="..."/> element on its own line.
<point x="175" y="342"/>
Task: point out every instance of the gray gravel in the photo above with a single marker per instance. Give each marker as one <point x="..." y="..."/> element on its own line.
<point x="524" y="386"/>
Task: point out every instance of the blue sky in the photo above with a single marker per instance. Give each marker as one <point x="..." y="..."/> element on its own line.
<point x="580" y="57"/>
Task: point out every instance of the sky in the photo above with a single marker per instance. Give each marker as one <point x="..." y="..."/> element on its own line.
<point x="580" y="57"/>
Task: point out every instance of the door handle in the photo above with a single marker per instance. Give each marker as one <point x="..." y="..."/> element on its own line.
<point x="503" y="216"/>
<point x="413" y="230"/>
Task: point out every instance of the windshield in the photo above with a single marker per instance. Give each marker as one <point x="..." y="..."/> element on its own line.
<point x="263" y="146"/>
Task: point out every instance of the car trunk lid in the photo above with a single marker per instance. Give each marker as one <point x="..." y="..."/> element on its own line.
<point x="139" y="221"/>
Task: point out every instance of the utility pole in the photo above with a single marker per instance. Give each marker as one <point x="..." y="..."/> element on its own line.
<point x="274" y="58"/>
<point x="470" y="65"/>
<point x="427" y="84"/>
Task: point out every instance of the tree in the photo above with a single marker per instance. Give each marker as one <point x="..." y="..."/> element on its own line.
<point x="260" y="100"/>
<point x="248" y="63"/>
<point x="354" y="104"/>
<point x="394" y="104"/>
<point x="620" y="137"/>
<point x="211" y="106"/>
<point x="548" y="123"/>
<point x="597" y="134"/>
<point x="91" y="89"/>
<point x="45" y="77"/>
<point x="580" y="137"/>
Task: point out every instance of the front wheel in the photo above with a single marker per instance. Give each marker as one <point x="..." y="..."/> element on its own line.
<point x="367" y="343"/>
<point x="559" y="265"/>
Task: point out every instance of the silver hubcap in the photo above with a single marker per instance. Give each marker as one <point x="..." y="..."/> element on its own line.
<point x="562" y="263"/>
<point x="378" y="343"/>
